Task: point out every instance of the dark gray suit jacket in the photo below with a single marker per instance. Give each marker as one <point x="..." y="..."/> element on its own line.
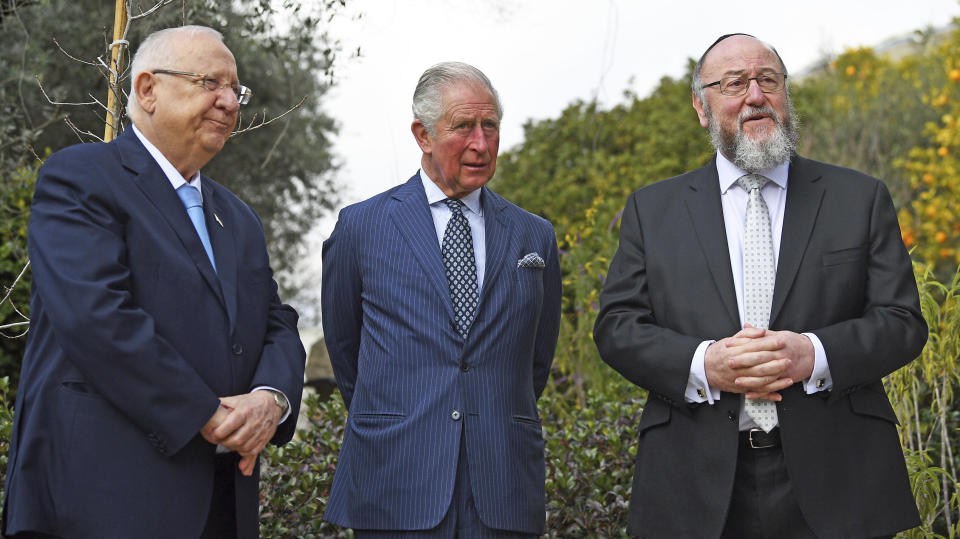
<point x="843" y="274"/>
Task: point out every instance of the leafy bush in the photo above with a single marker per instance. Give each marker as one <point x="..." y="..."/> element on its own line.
<point x="295" y="479"/>
<point x="6" y="428"/>
<point x="15" y="196"/>
<point x="922" y="393"/>
<point x="590" y="451"/>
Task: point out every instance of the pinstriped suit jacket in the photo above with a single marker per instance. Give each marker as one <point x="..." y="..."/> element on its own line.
<point x="404" y="371"/>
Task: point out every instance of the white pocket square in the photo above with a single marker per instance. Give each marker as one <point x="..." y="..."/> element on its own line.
<point x="531" y="260"/>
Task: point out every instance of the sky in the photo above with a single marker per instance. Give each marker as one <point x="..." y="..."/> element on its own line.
<point x="542" y="55"/>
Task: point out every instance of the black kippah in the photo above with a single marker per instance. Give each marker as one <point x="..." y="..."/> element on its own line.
<point x="721" y="38"/>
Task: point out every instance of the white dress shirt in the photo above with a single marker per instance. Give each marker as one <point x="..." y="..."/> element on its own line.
<point x="733" y="199"/>
<point x="472" y="210"/>
<point x="170" y="171"/>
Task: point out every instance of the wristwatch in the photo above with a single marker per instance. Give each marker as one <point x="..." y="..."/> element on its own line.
<point x="280" y="401"/>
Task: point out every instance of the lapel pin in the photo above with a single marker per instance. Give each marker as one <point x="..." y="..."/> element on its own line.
<point x="219" y="222"/>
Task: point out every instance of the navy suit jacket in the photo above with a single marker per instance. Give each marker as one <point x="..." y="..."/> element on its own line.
<point x="412" y="384"/>
<point x="843" y="274"/>
<point x="133" y="338"/>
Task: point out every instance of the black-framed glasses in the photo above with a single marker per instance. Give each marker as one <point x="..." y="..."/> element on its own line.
<point x="737" y="85"/>
<point x="242" y="93"/>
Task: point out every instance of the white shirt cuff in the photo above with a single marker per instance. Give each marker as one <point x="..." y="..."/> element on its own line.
<point x="820" y="379"/>
<point x="698" y="390"/>
<point x="282" y="394"/>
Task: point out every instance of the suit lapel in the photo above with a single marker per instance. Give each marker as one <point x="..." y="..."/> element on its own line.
<point x="411" y="215"/>
<point x="219" y="227"/>
<point x="155" y="185"/>
<point x="706" y="213"/>
<point x="804" y="195"/>
<point x="497" y="230"/>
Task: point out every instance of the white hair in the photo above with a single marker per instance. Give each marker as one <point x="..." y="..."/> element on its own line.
<point x="158" y="51"/>
<point x="428" y="96"/>
<point x="756" y="155"/>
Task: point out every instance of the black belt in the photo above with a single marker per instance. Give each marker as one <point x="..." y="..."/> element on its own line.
<point x="757" y="439"/>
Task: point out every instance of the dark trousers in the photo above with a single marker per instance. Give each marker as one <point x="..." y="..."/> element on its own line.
<point x="222" y="519"/>
<point x="461" y="520"/>
<point x="763" y="505"/>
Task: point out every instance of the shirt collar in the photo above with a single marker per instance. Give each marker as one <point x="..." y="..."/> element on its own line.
<point x="434" y="195"/>
<point x="730" y="173"/>
<point x="170" y="171"/>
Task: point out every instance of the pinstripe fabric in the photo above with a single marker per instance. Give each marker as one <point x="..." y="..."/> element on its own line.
<point x="403" y="369"/>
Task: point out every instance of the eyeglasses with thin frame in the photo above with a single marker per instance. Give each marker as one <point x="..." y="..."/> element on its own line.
<point x="242" y="93"/>
<point x="737" y="85"/>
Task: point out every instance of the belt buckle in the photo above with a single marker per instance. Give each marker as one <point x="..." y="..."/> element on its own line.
<point x="754" y="445"/>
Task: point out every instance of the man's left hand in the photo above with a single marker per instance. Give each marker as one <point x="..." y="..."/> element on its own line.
<point x="799" y="350"/>
<point x="251" y="424"/>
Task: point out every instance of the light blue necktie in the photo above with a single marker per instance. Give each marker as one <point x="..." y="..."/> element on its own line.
<point x="190" y="196"/>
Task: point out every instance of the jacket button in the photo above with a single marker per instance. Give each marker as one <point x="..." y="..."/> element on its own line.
<point x="464" y="367"/>
<point x="731" y="415"/>
<point x="237" y="349"/>
<point x="455" y="415"/>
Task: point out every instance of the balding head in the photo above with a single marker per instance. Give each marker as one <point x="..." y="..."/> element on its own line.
<point x="723" y="43"/>
<point x="161" y="49"/>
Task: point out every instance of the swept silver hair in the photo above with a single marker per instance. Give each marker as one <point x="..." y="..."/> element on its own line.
<point x="428" y="96"/>
<point x="157" y="52"/>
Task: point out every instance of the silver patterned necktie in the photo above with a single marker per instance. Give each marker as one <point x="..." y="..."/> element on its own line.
<point x="759" y="274"/>
<point x="460" y="266"/>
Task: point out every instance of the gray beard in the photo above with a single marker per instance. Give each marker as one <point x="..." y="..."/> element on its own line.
<point x="751" y="155"/>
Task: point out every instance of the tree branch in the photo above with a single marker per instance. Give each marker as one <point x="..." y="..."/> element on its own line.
<point x="131" y="18"/>
<point x="263" y="121"/>
<point x="6" y="298"/>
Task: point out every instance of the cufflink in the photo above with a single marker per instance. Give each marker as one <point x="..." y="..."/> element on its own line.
<point x="820" y="383"/>
<point x="701" y="393"/>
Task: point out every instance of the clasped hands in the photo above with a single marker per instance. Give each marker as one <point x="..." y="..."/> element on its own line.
<point x="759" y="362"/>
<point x="244" y="423"/>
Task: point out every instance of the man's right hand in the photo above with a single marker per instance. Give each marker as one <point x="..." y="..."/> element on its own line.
<point x="218" y="417"/>
<point x="752" y="361"/>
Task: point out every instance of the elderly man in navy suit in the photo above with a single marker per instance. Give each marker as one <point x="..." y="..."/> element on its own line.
<point x="760" y="300"/>
<point x="441" y="309"/>
<point x="160" y="360"/>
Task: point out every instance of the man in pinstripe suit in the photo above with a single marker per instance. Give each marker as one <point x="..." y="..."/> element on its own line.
<point x="441" y="309"/>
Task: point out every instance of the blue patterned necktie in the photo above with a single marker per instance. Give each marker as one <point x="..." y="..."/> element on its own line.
<point x="190" y="196"/>
<point x="460" y="266"/>
<point x="759" y="274"/>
